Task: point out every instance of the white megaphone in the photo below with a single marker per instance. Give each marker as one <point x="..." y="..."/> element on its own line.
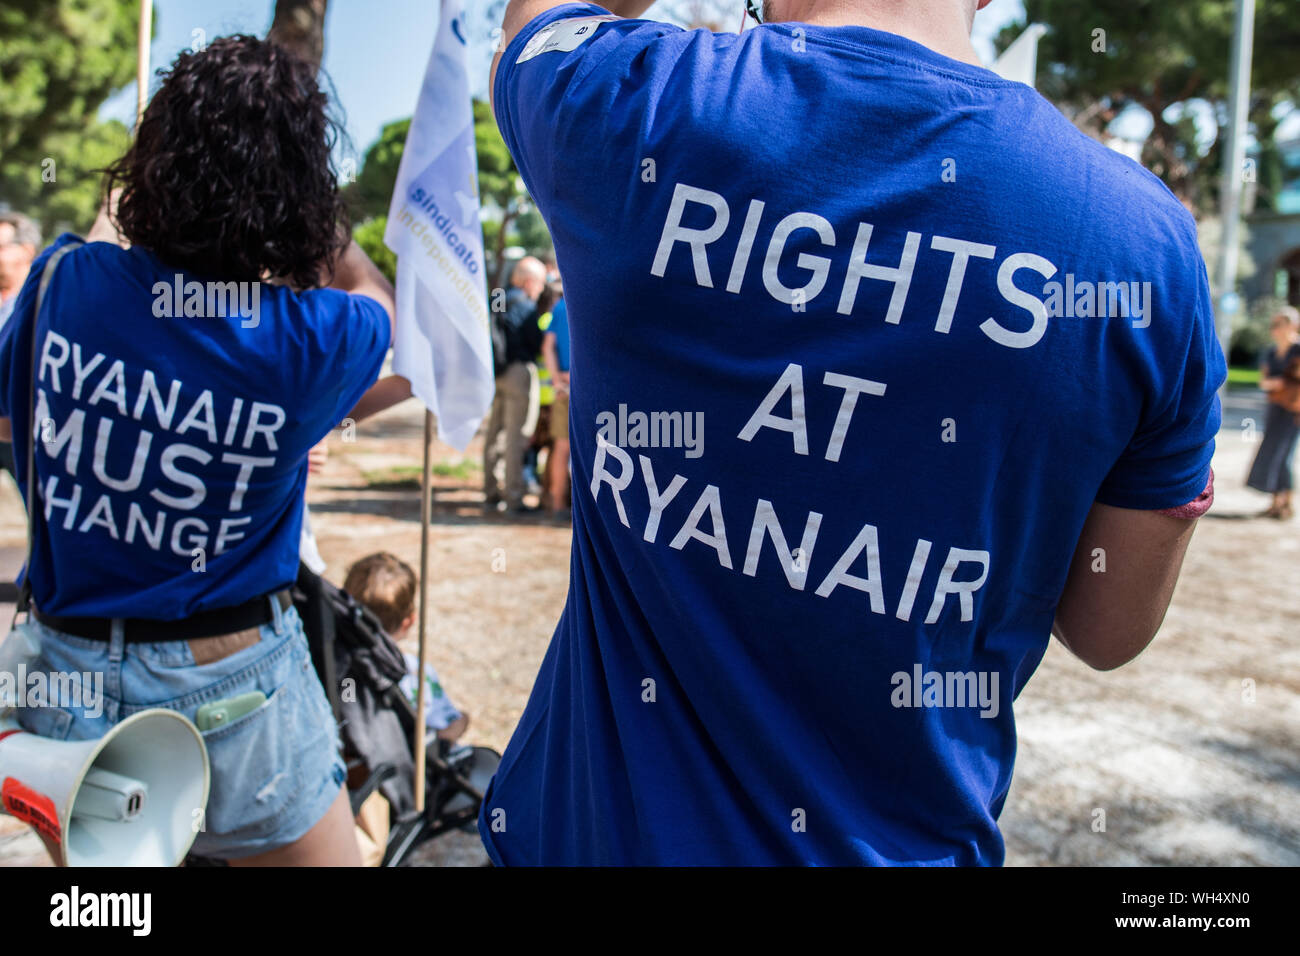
<point x="130" y="798"/>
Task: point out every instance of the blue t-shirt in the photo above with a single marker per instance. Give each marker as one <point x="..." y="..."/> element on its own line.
<point x="858" y="362"/>
<point x="560" y="326"/>
<point x="173" y="451"/>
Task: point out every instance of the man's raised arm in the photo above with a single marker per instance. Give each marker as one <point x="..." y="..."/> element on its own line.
<point x="521" y="12"/>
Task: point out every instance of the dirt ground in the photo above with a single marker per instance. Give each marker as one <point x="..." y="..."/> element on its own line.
<point x="1186" y="756"/>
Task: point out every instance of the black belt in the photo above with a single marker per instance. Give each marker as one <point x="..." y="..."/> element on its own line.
<point x="212" y="623"/>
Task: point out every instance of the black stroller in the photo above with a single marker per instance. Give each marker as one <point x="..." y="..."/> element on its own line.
<point x="360" y="666"/>
<point x="352" y="653"/>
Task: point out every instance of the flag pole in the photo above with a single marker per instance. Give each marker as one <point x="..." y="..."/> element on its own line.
<point x="426" y="504"/>
<point x="1227" y="302"/>
<point x="142" y="59"/>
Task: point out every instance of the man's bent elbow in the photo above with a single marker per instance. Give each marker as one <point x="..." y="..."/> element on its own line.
<point x="1105" y="649"/>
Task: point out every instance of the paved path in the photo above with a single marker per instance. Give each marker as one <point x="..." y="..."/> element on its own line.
<point x="1191" y="750"/>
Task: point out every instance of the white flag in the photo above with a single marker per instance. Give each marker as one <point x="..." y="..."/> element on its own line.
<point x="442" y="343"/>
<point x="1019" y="62"/>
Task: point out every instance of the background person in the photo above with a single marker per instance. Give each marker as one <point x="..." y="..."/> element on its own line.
<point x="19" y="240"/>
<point x="541" y="440"/>
<point x="509" y="414"/>
<point x="1271" y="471"/>
<point x="882" y="391"/>
<point x="182" y="442"/>
<point x="555" y="355"/>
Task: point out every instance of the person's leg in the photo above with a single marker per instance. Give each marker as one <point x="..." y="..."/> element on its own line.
<point x="1285" y="480"/>
<point x="557" y="464"/>
<point x="455" y="729"/>
<point x="496" y="418"/>
<point x="277" y="774"/>
<point x="331" y="842"/>
<point x="558" y="482"/>
<point x="542" y="445"/>
<point x="373" y="826"/>
<point x="516" y="414"/>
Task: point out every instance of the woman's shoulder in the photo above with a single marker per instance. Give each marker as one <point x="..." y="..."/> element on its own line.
<point x="68" y="240"/>
<point x="314" y="306"/>
<point x="78" y="249"/>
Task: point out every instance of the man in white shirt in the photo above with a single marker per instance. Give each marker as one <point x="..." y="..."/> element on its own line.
<point x="19" y="241"/>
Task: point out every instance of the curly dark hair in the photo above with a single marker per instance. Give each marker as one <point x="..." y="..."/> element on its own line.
<point x="230" y="173"/>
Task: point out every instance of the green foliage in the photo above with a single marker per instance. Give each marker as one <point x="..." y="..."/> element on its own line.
<point x="497" y="176"/>
<point x="1241" y="377"/>
<point x="369" y="235"/>
<point x="370" y="194"/>
<point x="531" y="233"/>
<point x="508" y="214"/>
<point x="1157" y="53"/>
<point x="59" y="60"/>
<point x="1250" y="333"/>
<point x="402" y="477"/>
<point x="500" y="185"/>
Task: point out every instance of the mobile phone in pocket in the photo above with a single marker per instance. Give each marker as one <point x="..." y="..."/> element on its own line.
<point x="218" y="713"/>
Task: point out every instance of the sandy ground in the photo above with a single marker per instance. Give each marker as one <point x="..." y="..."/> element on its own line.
<point x="1186" y="756"/>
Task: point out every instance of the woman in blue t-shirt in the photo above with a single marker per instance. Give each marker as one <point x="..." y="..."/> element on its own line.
<point x="184" y="369"/>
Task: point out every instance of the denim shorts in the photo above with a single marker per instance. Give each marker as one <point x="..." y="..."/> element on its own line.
<point x="275" y="771"/>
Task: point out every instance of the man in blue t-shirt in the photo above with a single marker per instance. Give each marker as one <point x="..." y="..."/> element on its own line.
<point x="887" y="374"/>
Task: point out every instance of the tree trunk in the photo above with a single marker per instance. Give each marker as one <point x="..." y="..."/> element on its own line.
<point x="299" y="26"/>
<point x="507" y="217"/>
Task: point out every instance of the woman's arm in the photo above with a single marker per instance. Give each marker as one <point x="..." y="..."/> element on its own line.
<point x="356" y="274"/>
<point x="385" y="393"/>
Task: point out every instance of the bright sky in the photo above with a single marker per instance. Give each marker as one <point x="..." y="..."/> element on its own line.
<point x="376" y="60"/>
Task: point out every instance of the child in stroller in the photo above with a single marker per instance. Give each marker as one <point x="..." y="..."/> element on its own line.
<point x="385" y="585"/>
<point x="362" y="670"/>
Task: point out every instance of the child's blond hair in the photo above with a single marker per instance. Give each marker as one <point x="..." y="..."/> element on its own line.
<point x="385" y="584"/>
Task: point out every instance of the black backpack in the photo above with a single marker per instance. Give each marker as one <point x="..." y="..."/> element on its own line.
<point x="500" y="341"/>
<point x="514" y="343"/>
<point x="527" y="340"/>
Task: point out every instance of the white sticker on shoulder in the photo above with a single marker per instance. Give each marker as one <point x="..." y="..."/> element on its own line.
<point x="565" y="35"/>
